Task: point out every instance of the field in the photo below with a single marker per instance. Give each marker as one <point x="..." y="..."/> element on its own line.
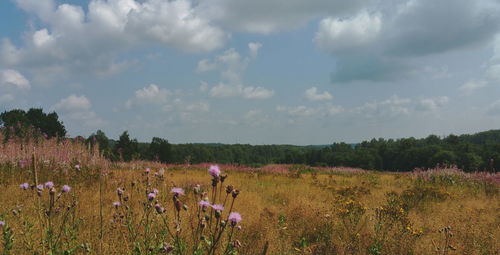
<point x="304" y="211"/>
<point x="63" y="197"/>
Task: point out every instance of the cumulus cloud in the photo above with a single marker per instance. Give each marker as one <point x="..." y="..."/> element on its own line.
<point x="12" y="78"/>
<point x="312" y="94"/>
<point x="151" y="94"/>
<point x="303" y="111"/>
<point x="385" y="43"/>
<point x="471" y="86"/>
<point x="232" y="67"/>
<point x="79" y="109"/>
<point x="389" y="108"/>
<point x="335" y="34"/>
<point x="224" y="90"/>
<point x="268" y="16"/>
<point x="432" y="104"/>
<point x="254" y="49"/>
<point x="90" y="41"/>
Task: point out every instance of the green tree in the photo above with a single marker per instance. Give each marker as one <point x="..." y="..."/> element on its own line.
<point x="125" y="148"/>
<point x="160" y="149"/>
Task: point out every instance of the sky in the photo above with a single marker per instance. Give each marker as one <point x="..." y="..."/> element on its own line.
<point x="258" y="72"/>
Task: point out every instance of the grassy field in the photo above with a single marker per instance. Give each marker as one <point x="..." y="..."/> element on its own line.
<point x="304" y="211"/>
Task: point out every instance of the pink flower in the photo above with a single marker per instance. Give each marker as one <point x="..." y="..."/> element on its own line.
<point x="177" y="191"/>
<point x="66" y="189"/>
<point x="49" y="185"/>
<point x="77" y="167"/>
<point x="214" y="170"/>
<point x="116" y="204"/>
<point x="218" y="207"/>
<point x="151" y="196"/>
<point x="147" y="170"/>
<point x="204" y="204"/>
<point x="234" y="218"/>
<point x="24" y="186"/>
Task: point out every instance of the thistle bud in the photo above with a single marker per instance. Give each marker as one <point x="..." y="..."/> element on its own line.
<point x="229" y="189"/>
<point x="235" y="193"/>
<point x="217" y="214"/>
<point x="223" y="178"/>
<point x="185" y="207"/>
<point x="52" y="191"/>
<point x="222" y="223"/>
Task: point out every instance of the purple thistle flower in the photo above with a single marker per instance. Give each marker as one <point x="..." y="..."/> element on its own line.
<point x="147" y="170"/>
<point x="66" y="188"/>
<point x="234" y="218"/>
<point x="151" y="196"/>
<point x="155" y="191"/>
<point x="177" y="191"/>
<point x="214" y="170"/>
<point x="116" y="204"/>
<point x="49" y="185"/>
<point x="159" y="209"/>
<point x="218" y="207"/>
<point x="77" y="167"/>
<point x="2" y="223"/>
<point x="204" y="204"/>
<point x="24" y="186"/>
<point x="39" y="187"/>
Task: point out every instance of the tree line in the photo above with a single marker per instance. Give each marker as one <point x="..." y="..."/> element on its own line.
<point x="474" y="152"/>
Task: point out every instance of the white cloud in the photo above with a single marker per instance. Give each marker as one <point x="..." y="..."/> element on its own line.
<point x="312" y="94"/>
<point x="73" y="103"/>
<point x="386" y="42"/>
<point x="432" y="104"/>
<point x="389" y="108"/>
<point x="203" y="86"/>
<point x="224" y="90"/>
<point x="98" y="35"/>
<point x="79" y="109"/>
<point x="335" y="34"/>
<point x="10" y="77"/>
<point x="298" y="111"/>
<point x="254" y="49"/>
<point x="268" y="16"/>
<point x="471" y="86"/>
<point x="151" y="94"/>
<point x="232" y="67"/>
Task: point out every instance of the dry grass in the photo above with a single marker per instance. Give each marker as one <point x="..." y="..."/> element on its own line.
<point x="312" y="213"/>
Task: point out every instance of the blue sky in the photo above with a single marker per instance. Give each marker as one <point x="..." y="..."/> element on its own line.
<point x="259" y="72"/>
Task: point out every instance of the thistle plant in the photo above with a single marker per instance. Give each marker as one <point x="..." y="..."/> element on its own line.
<point x="195" y="222"/>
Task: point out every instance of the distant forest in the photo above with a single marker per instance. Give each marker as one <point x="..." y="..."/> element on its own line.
<point x="476" y="152"/>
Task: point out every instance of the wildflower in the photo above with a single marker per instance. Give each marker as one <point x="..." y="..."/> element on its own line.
<point x="159" y="209"/>
<point x="155" y="191"/>
<point x="116" y="204"/>
<point x="235" y="193"/>
<point x="229" y="189"/>
<point x="151" y="196"/>
<point x="223" y="177"/>
<point x="119" y="191"/>
<point x="214" y="170"/>
<point x="39" y="187"/>
<point x="2" y="223"/>
<point x="66" y="188"/>
<point x="24" y="186"/>
<point x="49" y="185"/>
<point x="77" y="167"/>
<point x="218" y="207"/>
<point x="204" y="204"/>
<point x="177" y="191"/>
<point x="234" y="218"/>
<point x="239" y="227"/>
<point x="147" y="170"/>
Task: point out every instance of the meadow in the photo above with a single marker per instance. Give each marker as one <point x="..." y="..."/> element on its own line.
<point x="64" y="198"/>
